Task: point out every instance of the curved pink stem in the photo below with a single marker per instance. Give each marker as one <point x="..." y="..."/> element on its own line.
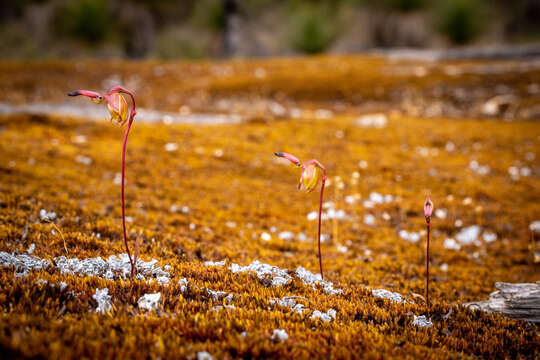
<point x="124" y="147"/>
<point x="319" y="232"/>
<point x="427" y="263"/>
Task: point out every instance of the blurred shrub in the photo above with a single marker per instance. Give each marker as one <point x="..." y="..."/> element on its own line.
<point x="89" y="20"/>
<point x="461" y="20"/>
<point x="404" y="5"/>
<point x="314" y="28"/>
<point x="174" y="43"/>
<point x="209" y="13"/>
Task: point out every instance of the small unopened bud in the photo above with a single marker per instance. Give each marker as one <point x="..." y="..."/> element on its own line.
<point x="428" y="208"/>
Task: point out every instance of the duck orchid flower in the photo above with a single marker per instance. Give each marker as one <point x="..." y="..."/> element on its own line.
<point x="312" y="172"/>
<point x="118" y="109"/>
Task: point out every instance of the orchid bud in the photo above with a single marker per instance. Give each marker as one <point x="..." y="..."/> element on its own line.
<point x="428" y="208"/>
<point x="118" y="107"/>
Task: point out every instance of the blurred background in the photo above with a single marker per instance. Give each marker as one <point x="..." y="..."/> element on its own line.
<point x="195" y="29"/>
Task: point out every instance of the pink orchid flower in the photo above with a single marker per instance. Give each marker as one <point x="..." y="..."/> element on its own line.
<point x="118" y="109"/>
<point x="312" y="172"/>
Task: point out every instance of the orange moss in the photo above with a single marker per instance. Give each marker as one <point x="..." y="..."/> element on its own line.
<point x="242" y="183"/>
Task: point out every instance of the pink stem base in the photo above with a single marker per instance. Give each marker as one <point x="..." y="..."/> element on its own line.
<point x="319" y="232"/>
<point x="427" y="265"/>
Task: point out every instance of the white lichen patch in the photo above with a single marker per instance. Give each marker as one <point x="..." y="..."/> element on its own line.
<point x="309" y="278"/>
<point x="451" y="244"/>
<point x="412" y="237"/>
<point x="385" y="294"/>
<point x="149" y="301"/>
<point x="113" y="268"/>
<point x="279" y="334"/>
<point x="103" y="299"/>
<point x="183" y="285"/>
<point x="216" y="295"/>
<point x="469" y="235"/>
<point x="22" y="263"/>
<point x="279" y="276"/>
<point x="214" y="263"/>
<point x="421" y="321"/>
<point x="326" y="317"/>
<point x="204" y="355"/>
<point x="45" y="215"/>
<point x="331" y="213"/>
<point x="288" y="302"/>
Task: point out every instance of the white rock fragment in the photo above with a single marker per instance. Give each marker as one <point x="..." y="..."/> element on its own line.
<point x="323" y="113"/>
<point x="451" y="244"/>
<point x="421" y="321"/>
<point x="342" y="249"/>
<point x="535" y="226"/>
<point x="279" y="334"/>
<point x="330" y="213"/>
<point x="469" y="235"/>
<point x="444" y="267"/>
<point x="183" y="285"/>
<point x="279" y="276"/>
<point x="525" y="171"/>
<point x="266" y="236"/>
<point x="230" y="224"/>
<point x="103" y="299"/>
<point x="41" y="281"/>
<point x="288" y="303"/>
<point x="214" y="263"/>
<point x="85" y="160"/>
<point x="441" y="213"/>
<point x="286" y="235"/>
<point x="47" y="216"/>
<point x="312" y="216"/>
<point x="489" y="236"/>
<point x="117" y="180"/>
<point x="216" y="295"/>
<point x="412" y="237"/>
<point x="309" y="278"/>
<point x="112" y="268"/>
<point x="170" y="147"/>
<point x="479" y="169"/>
<point x="31" y="249"/>
<point x="326" y="317"/>
<point x="23" y="264"/>
<point x="385" y="294"/>
<point x="378" y="121"/>
<point x="369" y="219"/>
<point x="149" y="301"/>
<point x="204" y="355"/>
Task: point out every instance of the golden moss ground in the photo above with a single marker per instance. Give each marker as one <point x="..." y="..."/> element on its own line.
<point x="236" y="190"/>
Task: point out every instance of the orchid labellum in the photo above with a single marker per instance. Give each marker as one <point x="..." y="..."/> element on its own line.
<point x="312" y="172"/>
<point x="428" y="209"/>
<point x="118" y="109"/>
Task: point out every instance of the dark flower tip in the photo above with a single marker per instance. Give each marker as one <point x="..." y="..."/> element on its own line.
<point x="280" y="154"/>
<point x="74" y="93"/>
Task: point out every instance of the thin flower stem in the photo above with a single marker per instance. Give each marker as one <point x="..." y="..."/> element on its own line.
<point x="427" y="265"/>
<point x="124" y="147"/>
<point x="319" y="232"/>
<point x="123" y="200"/>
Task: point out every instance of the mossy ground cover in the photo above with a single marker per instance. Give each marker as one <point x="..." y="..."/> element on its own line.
<point x="213" y="196"/>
